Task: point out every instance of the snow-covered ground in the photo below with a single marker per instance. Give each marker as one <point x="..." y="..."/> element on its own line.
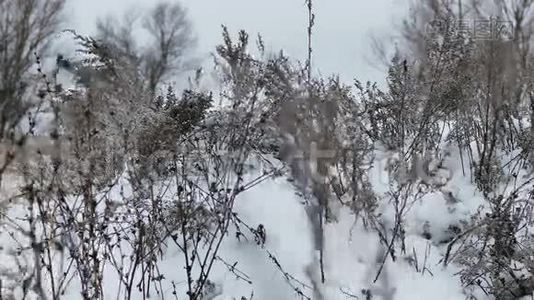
<point x="353" y="254"/>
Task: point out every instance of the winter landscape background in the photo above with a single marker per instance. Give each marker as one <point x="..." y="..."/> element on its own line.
<point x="266" y="150"/>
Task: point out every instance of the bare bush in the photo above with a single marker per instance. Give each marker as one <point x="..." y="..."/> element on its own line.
<point x="131" y="175"/>
<point x="25" y="31"/>
<point x="478" y="88"/>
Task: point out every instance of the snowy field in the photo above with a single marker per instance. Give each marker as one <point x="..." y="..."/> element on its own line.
<point x="243" y="221"/>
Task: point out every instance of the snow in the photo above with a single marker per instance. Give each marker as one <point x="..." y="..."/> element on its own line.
<point x="353" y="254"/>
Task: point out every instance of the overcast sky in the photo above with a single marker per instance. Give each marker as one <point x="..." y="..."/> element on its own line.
<point x="342" y="30"/>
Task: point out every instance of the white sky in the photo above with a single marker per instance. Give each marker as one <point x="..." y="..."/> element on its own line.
<point x="342" y="30"/>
